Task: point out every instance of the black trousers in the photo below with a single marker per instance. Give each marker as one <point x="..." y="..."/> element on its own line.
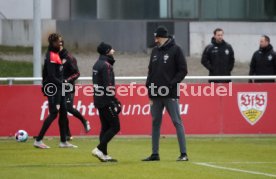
<point x="110" y="127"/>
<point x="53" y="101"/>
<point x="73" y="111"/>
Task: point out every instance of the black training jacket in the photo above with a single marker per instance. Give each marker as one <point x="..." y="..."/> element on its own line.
<point x="167" y="67"/>
<point x="103" y="81"/>
<point x="218" y="59"/>
<point x="70" y="67"/>
<point x="52" y="69"/>
<point x="263" y="62"/>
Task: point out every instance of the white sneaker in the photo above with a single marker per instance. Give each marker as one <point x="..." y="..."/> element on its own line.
<point x="67" y="145"/>
<point x="99" y="154"/>
<point x="110" y="159"/>
<point x="40" y="145"/>
<point x="107" y="157"/>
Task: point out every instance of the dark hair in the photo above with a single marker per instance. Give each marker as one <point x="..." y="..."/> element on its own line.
<point x="217" y="30"/>
<point x="53" y="37"/>
<point x="266" y="38"/>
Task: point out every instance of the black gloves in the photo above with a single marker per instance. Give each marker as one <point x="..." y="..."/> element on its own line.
<point x="116" y="106"/>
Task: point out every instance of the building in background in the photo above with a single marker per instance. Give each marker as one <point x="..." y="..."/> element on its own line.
<point x="134" y="21"/>
<point x="196" y="10"/>
<point x="23" y="9"/>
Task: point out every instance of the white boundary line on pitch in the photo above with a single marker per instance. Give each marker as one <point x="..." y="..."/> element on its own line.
<point x="238" y="162"/>
<point x="235" y="169"/>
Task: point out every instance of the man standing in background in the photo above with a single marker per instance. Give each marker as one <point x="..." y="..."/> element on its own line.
<point x="263" y="61"/>
<point x="218" y="57"/>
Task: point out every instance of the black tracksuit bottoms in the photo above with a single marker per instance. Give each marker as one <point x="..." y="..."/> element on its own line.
<point x="73" y="111"/>
<point x="110" y="127"/>
<point x="53" y="101"/>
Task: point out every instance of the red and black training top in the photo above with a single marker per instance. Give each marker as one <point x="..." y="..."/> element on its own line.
<point x="53" y="69"/>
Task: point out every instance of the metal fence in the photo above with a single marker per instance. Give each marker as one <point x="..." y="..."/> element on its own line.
<point x="11" y="80"/>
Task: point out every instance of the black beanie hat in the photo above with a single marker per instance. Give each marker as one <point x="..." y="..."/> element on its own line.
<point x="161" y="31"/>
<point x="104" y="48"/>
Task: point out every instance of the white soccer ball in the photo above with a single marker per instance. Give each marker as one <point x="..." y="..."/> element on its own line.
<point x="21" y="136"/>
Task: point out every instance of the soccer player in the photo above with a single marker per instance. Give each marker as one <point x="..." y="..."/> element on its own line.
<point x="218" y="57"/>
<point x="167" y="68"/>
<point x="105" y="101"/>
<point x="53" y="78"/>
<point x="71" y="74"/>
<point x="263" y="61"/>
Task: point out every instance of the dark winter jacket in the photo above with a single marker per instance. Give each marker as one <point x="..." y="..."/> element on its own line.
<point x="263" y="62"/>
<point x="104" y="81"/>
<point x="71" y="71"/>
<point x="167" y="68"/>
<point x="52" y="69"/>
<point x="218" y="59"/>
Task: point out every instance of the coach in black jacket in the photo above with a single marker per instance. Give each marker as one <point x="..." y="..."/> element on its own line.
<point x="105" y="101"/>
<point x="263" y="61"/>
<point x="167" y="68"/>
<point x="218" y="57"/>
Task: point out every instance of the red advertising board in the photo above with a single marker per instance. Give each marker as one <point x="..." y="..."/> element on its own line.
<point x="228" y="109"/>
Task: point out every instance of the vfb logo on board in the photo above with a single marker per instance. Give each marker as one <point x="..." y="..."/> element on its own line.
<point x="252" y="105"/>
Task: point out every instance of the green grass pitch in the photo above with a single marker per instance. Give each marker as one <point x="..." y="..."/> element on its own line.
<point x="210" y="157"/>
